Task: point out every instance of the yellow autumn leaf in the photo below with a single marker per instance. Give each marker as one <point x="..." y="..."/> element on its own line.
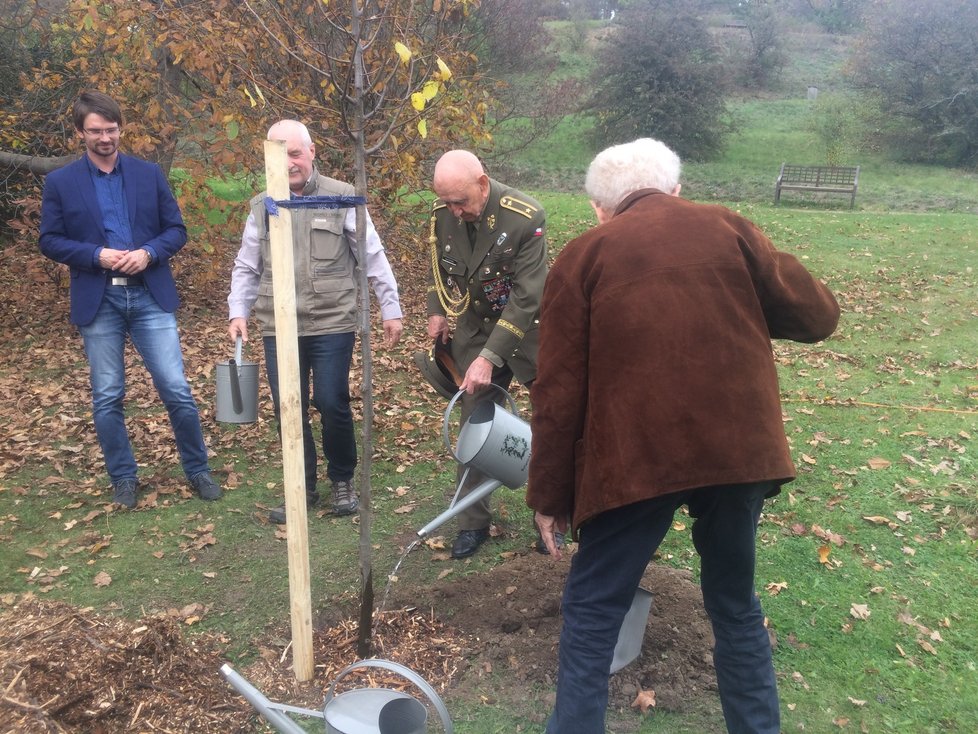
<point x="418" y="101"/>
<point x="422" y="128"/>
<point x="250" y="98"/>
<point x="823" y="553"/>
<point x="430" y="90"/>
<point x="260" y="95"/>
<point x="403" y="51"/>
<point x="443" y="69"/>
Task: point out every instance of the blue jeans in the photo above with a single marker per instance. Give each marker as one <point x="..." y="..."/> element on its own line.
<point x="614" y="550"/>
<point x="328" y="358"/>
<point x="131" y="311"/>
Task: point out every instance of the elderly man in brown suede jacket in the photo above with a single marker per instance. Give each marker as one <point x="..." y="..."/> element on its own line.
<point x="656" y="388"/>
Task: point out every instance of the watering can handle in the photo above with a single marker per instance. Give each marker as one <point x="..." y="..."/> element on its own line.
<point x="405" y="672"/>
<point x="448" y="412"/>
<point x="238" y="346"/>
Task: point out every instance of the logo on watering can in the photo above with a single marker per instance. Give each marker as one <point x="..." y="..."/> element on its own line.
<point x="515" y="446"/>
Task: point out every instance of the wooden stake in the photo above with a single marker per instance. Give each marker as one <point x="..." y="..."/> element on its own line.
<point x="290" y="409"/>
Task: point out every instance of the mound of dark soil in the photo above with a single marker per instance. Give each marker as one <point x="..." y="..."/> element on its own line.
<point x="512" y="616"/>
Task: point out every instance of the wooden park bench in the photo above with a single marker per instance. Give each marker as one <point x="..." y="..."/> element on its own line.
<point x="830" y="179"/>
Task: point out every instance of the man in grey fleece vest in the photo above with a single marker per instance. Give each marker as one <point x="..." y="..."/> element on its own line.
<point x="325" y="256"/>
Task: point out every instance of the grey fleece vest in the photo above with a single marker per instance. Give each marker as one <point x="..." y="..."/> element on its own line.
<point x="325" y="267"/>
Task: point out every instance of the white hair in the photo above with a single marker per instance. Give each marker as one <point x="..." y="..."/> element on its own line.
<point x="620" y="170"/>
<point x="288" y="127"/>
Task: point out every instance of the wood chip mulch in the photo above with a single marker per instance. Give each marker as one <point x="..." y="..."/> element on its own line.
<point x="65" y="669"/>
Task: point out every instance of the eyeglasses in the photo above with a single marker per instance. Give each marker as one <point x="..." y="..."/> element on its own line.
<point x="97" y="132"/>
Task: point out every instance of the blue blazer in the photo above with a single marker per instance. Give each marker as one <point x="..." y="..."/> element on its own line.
<point x="72" y="231"/>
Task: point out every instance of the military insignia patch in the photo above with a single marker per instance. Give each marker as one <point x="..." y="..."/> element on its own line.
<point x="491" y="221"/>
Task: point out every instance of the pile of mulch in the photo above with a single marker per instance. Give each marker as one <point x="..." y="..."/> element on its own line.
<point x="64" y="669"/>
<point x="481" y="638"/>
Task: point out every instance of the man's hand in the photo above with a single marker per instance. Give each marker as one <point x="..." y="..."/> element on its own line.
<point x="548" y="525"/>
<point x="393" y="328"/>
<point x="438" y="328"/>
<point x="477" y="376"/>
<point x="130" y="262"/>
<point x="238" y="327"/>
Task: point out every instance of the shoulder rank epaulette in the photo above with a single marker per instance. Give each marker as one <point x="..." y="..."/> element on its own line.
<point x="518" y="206"/>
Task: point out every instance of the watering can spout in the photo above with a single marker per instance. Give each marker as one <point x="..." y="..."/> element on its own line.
<point x="481" y="490"/>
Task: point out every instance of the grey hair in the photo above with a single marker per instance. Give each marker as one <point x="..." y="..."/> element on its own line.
<point x="620" y="170"/>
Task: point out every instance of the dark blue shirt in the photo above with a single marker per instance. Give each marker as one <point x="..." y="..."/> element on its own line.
<point x="111" y="195"/>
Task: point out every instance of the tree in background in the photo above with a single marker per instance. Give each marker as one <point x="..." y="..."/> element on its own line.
<point x="518" y="67"/>
<point x="764" y="58"/>
<point x="838" y="16"/>
<point x="915" y="62"/>
<point x="201" y="82"/>
<point x="659" y="75"/>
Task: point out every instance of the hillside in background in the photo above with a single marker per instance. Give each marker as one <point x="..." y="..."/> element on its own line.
<point x="806" y="116"/>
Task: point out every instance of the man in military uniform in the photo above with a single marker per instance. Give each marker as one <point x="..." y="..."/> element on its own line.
<point x="489" y="264"/>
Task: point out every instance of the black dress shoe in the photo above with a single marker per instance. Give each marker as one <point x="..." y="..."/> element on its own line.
<point x="558" y="540"/>
<point x="468" y="542"/>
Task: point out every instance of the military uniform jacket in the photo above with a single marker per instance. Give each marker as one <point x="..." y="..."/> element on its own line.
<point x="503" y="273"/>
<point x="325" y="268"/>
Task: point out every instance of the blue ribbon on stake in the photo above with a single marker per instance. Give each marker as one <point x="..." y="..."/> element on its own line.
<point x="313" y="202"/>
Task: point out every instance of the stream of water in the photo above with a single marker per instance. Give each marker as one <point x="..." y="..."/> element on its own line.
<point x="392" y="577"/>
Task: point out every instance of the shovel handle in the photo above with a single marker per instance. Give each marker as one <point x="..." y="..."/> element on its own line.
<point x="404" y="672"/>
<point x="234" y="373"/>
<point x="445" y="432"/>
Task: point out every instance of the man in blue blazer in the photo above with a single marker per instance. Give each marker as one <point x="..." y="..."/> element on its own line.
<point x="113" y="221"/>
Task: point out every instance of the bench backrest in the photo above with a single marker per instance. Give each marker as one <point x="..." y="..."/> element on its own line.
<point x="819" y="175"/>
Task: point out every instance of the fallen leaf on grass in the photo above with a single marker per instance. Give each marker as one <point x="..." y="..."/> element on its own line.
<point x="102" y="579"/>
<point x="644" y="701"/>
<point x="404" y="509"/>
<point x="827" y="535"/>
<point x="856" y="701"/>
<point x="860" y="611"/>
<point x="878" y="462"/>
<point x="880" y="520"/>
<point x="823" y="554"/>
<point x="776" y="588"/>
<point x="926" y="646"/>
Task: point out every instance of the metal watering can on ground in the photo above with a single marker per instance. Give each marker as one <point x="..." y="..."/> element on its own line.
<point x="632" y="631"/>
<point x="360" y="711"/>
<point x="237" y="389"/>
<point x="494" y="441"/>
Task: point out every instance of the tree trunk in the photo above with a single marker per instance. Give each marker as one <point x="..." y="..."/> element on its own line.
<point x="366" y="450"/>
